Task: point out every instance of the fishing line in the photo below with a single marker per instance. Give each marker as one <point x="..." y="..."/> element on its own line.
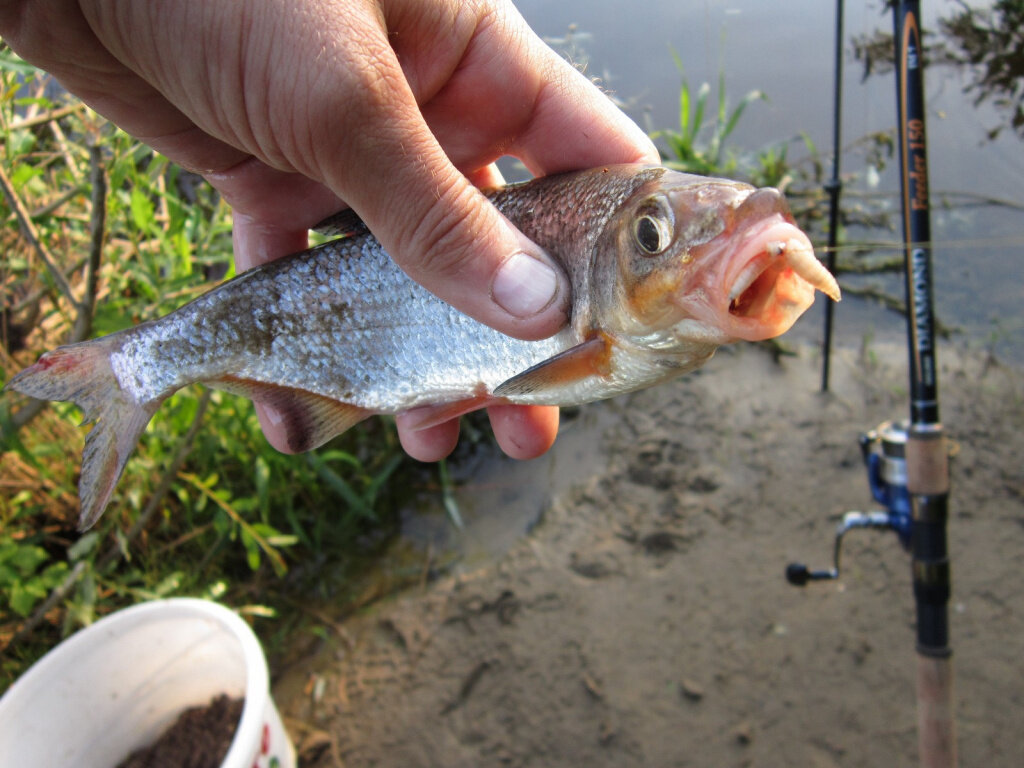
<point x="964" y="199"/>
<point x="944" y="245"/>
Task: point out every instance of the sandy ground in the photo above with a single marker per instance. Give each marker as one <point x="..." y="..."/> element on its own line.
<point x="645" y="619"/>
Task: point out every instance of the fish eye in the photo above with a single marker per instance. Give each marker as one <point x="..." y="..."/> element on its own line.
<point x="651" y="233"/>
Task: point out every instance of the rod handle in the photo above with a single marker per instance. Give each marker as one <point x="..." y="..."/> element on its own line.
<point x="936" y="728"/>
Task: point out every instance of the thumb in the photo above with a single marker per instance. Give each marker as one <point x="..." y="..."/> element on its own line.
<point x="448" y="237"/>
<point x="440" y="229"/>
<point x="451" y="239"/>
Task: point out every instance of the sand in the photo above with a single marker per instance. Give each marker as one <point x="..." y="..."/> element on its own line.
<point x="645" y="620"/>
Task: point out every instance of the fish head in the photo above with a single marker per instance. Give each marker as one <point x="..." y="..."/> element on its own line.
<point x="708" y="261"/>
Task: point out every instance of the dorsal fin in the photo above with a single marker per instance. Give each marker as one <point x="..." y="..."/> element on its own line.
<point x="342" y="224"/>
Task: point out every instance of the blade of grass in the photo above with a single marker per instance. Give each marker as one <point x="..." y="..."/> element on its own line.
<point x="272" y="554"/>
<point x="448" y="495"/>
<point x="340" y="486"/>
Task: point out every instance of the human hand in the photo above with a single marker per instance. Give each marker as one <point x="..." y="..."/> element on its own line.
<point x="294" y="108"/>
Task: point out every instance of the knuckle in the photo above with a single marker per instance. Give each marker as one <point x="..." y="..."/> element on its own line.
<point x="447" y="235"/>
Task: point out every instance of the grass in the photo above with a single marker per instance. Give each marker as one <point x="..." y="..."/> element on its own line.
<point x="699" y="145"/>
<point x="702" y="142"/>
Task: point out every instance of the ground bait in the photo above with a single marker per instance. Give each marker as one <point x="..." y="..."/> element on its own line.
<point x="199" y="738"/>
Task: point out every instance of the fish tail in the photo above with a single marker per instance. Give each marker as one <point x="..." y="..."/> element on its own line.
<point x="82" y="374"/>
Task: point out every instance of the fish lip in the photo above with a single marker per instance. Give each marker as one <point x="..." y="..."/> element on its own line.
<point x="779" y="245"/>
<point x="773" y="277"/>
<point x="766" y="279"/>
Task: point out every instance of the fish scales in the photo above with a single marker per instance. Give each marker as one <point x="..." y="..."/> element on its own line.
<point x="664" y="267"/>
<point x="343" y="321"/>
<point x="374" y="339"/>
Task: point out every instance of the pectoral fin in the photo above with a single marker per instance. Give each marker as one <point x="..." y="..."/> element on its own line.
<point x="310" y="419"/>
<point x="590" y="358"/>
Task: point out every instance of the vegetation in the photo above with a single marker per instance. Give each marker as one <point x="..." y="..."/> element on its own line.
<point x="696" y="148"/>
<point x="101" y="233"/>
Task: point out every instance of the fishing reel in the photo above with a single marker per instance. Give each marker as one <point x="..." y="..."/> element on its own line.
<point x="884" y="453"/>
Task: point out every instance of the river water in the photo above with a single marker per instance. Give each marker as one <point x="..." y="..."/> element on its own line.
<point x="786" y="50"/>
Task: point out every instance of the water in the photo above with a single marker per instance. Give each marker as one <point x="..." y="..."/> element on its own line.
<point x="786" y="50"/>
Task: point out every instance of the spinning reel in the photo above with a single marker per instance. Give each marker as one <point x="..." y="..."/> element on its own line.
<point x="884" y="452"/>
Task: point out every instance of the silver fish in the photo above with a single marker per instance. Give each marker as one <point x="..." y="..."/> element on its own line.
<point x="664" y="268"/>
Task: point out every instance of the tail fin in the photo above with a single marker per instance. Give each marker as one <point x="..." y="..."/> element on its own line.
<point x="81" y="373"/>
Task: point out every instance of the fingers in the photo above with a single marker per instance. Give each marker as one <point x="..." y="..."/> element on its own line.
<point x="454" y="243"/>
<point x="508" y="94"/>
<point x="272" y="422"/>
<point x="273" y="210"/>
<point x="431" y="444"/>
<point x="442" y="231"/>
<point x="522" y="432"/>
<point x="513" y="93"/>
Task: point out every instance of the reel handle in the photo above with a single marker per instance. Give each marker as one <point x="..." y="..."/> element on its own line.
<point x="799" y="574"/>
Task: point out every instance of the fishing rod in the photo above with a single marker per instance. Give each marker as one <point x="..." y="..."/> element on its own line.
<point x="908" y="461"/>
<point x="927" y="454"/>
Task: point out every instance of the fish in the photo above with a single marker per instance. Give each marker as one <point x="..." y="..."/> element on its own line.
<point x="664" y="268"/>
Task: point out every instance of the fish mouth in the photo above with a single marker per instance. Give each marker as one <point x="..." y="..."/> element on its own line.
<point x="770" y="281"/>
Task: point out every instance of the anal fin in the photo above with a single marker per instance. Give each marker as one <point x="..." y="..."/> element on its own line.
<point x="589" y="358"/>
<point x="310" y="419"/>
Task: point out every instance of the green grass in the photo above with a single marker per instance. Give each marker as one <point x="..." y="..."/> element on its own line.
<point x="699" y="145"/>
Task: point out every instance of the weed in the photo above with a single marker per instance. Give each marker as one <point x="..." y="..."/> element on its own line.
<point x="697" y="147"/>
<point x="104" y="233"/>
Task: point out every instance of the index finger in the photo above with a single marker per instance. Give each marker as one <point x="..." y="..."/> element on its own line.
<point x="514" y="93"/>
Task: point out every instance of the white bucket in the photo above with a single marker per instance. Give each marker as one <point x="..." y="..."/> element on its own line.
<point x="117" y="685"/>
